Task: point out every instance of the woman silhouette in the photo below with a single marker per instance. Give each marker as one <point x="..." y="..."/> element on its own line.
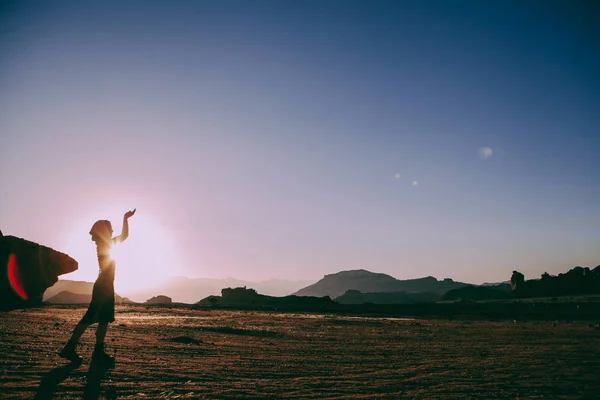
<point x="102" y="307"/>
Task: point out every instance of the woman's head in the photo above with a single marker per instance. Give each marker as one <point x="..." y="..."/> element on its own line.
<point x="101" y="231"/>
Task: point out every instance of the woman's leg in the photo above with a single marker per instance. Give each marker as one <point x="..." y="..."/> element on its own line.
<point x="69" y="351"/>
<point x="99" y="354"/>
<point x="78" y="331"/>
<point x="101" y="333"/>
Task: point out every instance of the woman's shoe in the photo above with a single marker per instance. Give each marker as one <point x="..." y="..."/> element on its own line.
<point x="100" y="356"/>
<point x="68" y="352"/>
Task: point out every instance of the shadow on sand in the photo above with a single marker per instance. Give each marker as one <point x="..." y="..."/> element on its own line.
<point x="95" y="374"/>
<point x="53" y="378"/>
<point x="92" y="389"/>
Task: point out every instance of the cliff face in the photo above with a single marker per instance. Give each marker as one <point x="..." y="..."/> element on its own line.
<point x="27" y="270"/>
<point x="577" y="281"/>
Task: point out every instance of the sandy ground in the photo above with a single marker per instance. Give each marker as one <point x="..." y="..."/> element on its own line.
<point x="297" y="356"/>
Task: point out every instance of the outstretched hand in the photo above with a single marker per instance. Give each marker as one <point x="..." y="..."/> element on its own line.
<point x="130" y="214"/>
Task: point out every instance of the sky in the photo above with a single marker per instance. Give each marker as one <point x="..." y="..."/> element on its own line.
<point x="276" y="139"/>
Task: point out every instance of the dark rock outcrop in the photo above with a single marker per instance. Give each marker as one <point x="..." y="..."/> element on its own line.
<point x="242" y="297"/>
<point x="516" y="280"/>
<point x="577" y="281"/>
<point x="28" y="269"/>
<point x="159" y="300"/>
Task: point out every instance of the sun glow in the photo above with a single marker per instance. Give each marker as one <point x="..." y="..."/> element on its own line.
<point x="143" y="261"/>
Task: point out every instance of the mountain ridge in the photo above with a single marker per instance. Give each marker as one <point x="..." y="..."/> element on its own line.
<point x="66" y="297"/>
<point x="337" y="284"/>
<point x="183" y="289"/>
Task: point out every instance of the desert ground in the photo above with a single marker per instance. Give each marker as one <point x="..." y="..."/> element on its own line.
<point x="175" y="353"/>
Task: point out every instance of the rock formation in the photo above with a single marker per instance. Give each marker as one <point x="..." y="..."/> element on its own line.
<point x="516" y="280"/>
<point x="577" y="281"/>
<point x="243" y="297"/>
<point x="159" y="300"/>
<point x="28" y="269"/>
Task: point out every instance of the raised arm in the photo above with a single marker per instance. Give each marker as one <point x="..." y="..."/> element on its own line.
<point x="125" y="232"/>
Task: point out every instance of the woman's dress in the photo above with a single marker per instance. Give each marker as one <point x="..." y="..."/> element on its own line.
<point x="102" y="306"/>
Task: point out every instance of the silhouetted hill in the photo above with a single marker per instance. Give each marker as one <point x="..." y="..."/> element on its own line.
<point x="79" y="298"/>
<point x="242" y="297"/>
<point x="356" y="297"/>
<point x="66" y="285"/>
<point x="576" y="281"/>
<point x="335" y="285"/>
<point x="75" y="288"/>
<point x="159" y="300"/>
<point x="189" y="290"/>
<point x="498" y="284"/>
<point x="70" y="298"/>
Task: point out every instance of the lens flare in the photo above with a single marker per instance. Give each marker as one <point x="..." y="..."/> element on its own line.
<point x="14" y="277"/>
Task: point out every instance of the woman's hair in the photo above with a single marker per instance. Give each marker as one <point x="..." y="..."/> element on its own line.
<point x="101" y="231"/>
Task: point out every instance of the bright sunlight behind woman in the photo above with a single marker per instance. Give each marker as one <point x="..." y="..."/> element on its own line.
<point x="146" y="260"/>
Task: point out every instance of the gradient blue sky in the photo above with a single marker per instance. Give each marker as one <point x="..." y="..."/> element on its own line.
<point x="282" y="139"/>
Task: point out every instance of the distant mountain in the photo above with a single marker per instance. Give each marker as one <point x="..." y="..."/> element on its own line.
<point x="502" y="286"/>
<point x="335" y="285"/>
<point x="159" y="300"/>
<point x="190" y="290"/>
<point x="65" y="285"/>
<point x="77" y="289"/>
<point x="495" y="283"/>
<point x="70" y="298"/>
<point x="65" y="297"/>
